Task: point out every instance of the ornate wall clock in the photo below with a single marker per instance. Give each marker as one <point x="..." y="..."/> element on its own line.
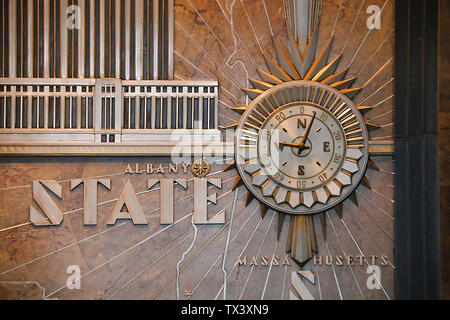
<point x="302" y="144"/>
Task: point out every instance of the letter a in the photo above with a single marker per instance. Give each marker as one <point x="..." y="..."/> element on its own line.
<point x="128" y="197"/>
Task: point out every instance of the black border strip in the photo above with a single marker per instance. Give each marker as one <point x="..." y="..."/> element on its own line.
<point x="417" y="254"/>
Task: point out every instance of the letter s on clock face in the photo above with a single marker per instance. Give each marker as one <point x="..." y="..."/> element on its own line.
<point x="301" y="148"/>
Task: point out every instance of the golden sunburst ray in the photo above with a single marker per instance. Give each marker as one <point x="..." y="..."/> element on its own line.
<point x="299" y="62"/>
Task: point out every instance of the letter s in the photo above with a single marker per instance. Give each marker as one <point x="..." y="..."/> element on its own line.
<point x="46" y="203"/>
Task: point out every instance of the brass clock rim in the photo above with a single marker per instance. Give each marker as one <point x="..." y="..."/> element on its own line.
<point x="365" y="149"/>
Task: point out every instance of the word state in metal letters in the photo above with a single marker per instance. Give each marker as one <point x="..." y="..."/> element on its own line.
<point x="46" y="194"/>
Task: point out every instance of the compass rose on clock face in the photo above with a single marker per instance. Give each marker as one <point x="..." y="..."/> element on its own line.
<point x="302" y="147"/>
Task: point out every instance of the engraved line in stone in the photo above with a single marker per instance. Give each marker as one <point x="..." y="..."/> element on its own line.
<point x="129" y="249"/>
<point x="205" y="245"/>
<point x="353" y="26"/>
<point x="376" y="91"/>
<point x="365" y="38"/>
<point x="154" y="263"/>
<point x="345" y="254"/>
<point x="226" y="246"/>
<point x="218" y="258"/>
<point x="356" y="244"/>
<point x="258" y="254"/>
<point x="270" y="269"/>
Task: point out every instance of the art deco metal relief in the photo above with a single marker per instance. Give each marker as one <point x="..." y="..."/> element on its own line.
<point x="302" y="154"/>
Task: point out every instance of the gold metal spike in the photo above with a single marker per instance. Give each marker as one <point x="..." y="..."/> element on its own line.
<point x="365" y="182"/>
<point x="253" y="93"/>
<point x="343" y="84"/>
<point x="372" y="165"/>
<point x="339" y="209"/>
<point x="303" y="239"/>
<point x="328" y="70"/>
<point x="353" y="198"/>
<point x="276" y="70"/>
<point x="351" y="93"/>
<point x="372" y="126"/>
<point x="364" y="109"/>
<point x="269" y="78"/>
<point x="240" y="110"/>
<point x="335" y="77"/>
<point x="281" y="218"/>
<point x="320" y="61"/>
<point x="294" y="51"/>
<point x="313" y="238"/>
<point x="261" y="85"/>
<point x="284" y="60"/>
<point x="232" y="126"/>
<point x="237" y="183"/>
<point x="264" y="210"/>
<point x="230" y="166"/>
<point x="323" y="221"/>
<point x="290" y="232"/>
<point x="378" y="72"/>
<point x="249" y="198"/>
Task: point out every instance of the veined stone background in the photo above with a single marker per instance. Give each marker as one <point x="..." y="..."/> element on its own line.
<point x="140" y="262"/>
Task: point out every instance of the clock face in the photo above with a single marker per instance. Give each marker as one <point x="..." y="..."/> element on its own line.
<point x="302" y="147"/>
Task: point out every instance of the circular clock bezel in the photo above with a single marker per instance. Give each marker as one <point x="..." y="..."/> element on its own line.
<point x="281" y="91"/>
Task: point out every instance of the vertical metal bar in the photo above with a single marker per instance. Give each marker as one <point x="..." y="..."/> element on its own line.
<point x="117" y="35"/>
<point x="81" y="39"/>
<point x="21" y="110"/>
<point x="145" y="107"/>
<point x="46" y="113"/>
<point x="127" y="39"/>
<point x="200" y="108"/>
<point x="62" y="106"/>
<point x="70" y="109"/>
<point x="176" y="109"/>
<point x="184" y="108"/>
<point x="97" y="105"/>
<point x="169" y="108"/>
<point x="118" y="110"/>
<point x="12" y="38"/>
<point x="46" y="38"/>
<point x="63" y="33"/>
<point x="78" y="107"/>
<point x="102" y="38"/>
<point x="155" y="38"/>
<point x="30" y="42"/>
<point x="92" y="38"/>
<point x="153" y="110"/>
<point x="13" y="106"/>
<point x="54" y="108"/>
<point x="216" y="107"/>
<point x="137" y="106"/>
<point x="171" y="36"/>
<point x="139" y="39"/>
<point x="30" y="106"/>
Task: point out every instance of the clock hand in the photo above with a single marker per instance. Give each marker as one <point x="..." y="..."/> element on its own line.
<point x="293" y="145"/>
<point x="305" y="137"/>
